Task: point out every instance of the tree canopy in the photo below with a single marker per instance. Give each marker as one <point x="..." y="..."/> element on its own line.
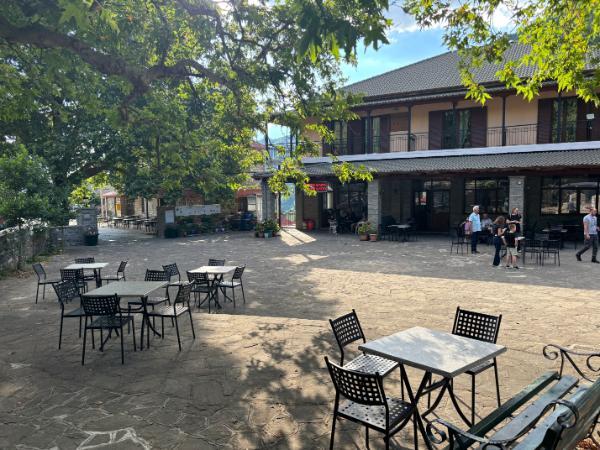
<point x="563" y="36"/>
<point x="167" y="94"/>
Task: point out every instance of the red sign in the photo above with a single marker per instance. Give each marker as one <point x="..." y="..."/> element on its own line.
<point x="319" y="187"/>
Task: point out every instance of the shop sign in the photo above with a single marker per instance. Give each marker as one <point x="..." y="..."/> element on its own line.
<point x="319" y="187"/>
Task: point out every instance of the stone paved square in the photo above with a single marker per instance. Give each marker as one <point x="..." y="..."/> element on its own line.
<point x="255" y="377"/>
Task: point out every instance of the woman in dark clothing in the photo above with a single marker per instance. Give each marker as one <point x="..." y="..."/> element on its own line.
<point x="516" y="218"/>
<point x="498" y="228"/>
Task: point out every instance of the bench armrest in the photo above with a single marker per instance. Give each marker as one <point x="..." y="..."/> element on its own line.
<point x="460" y="439"/>
<point x="554" y="351"/>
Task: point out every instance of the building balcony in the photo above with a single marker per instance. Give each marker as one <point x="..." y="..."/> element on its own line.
<point x="575" y="131"/>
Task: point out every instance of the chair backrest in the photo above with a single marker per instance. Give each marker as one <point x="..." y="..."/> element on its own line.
<point x="122" y="266"/>
<point x="172" y="270"/>
<point x="475" y="325"/>
<point x="216" y="262"/>
<point x="347" y="329"/>
<point x="39" y="271"/>
<point x="238" y="272"/>
<point x="198" y="277"/>
<point x="65" y="291"/>
<point x="359" y="387"/>
<point x="541" y="236"/>
<point x="183" y="293"/>
<point x="552" y="244"/>
<point x="104" y="305"/>
<point x="71" y="274"/>
<point x="155" y="275"/>
<point x="88" y="260"/>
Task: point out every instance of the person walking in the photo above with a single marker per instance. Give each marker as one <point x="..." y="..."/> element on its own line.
<point x="590" y="234"/>
<point x="498" y="231"/>
<point x="475" y="226"/>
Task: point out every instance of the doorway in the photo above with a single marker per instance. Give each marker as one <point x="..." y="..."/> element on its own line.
<point x="432" y="205"/>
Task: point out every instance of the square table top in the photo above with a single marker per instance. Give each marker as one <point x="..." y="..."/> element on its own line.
<point x="214" y="270"/>
<point x="87" y="266"/>
<point x="127" y="288"/>
<point x="434" y="351"/>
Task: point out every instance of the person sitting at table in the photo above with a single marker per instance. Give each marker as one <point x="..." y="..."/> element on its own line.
<point x="486" y="228"/>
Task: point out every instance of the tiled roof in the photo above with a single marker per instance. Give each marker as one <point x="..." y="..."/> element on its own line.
<point x="468" y="160"/>
<point x="436" y="73"/>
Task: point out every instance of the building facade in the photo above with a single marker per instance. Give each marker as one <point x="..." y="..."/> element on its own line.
<point x="434" y="154"/>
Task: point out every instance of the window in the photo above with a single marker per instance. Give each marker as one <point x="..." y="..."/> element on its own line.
<point x="568" y="195"/>
<point x="352" y="198"/>
<point x="462" y="130"/>
<point x="375" y="132"/>
<point x="491" y="194"/>
<point x="251" y="205"/>
<point x="564" y="119"/>
<point x="340" y="131"/>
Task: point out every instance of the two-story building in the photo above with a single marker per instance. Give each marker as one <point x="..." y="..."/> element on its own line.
<point x="434" y="154"/>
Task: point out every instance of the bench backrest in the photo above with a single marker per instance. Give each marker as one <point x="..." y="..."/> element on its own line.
<point x="568" y="428"/>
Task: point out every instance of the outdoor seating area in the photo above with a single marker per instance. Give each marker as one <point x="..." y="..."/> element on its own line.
<point x="147" y="224"/>
<point x="256" y="373"/>
<point x="108" y="307"/>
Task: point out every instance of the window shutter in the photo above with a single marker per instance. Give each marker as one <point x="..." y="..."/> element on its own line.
<point x="479" y="127"/>
<point x="435" y="130"/>
<point x="355" y="137"/>
<point x="384" y="130"/>
<point x="544" y="125"/>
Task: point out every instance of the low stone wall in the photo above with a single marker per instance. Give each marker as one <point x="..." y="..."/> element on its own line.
<point x="35" y="241"/>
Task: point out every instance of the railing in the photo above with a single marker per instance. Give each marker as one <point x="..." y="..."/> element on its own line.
<point x="573" y="131"/>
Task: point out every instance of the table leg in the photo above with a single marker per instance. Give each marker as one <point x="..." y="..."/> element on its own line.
<point x="445" y="385"/>
<point x="98" y="276"/>
<point x="414" y="400"/>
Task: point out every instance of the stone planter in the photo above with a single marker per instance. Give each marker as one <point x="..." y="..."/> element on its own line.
<point x="373" y="237"/>
<point x="363" y="237"/>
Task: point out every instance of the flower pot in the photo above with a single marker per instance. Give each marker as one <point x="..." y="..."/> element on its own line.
<point x="268" y="234"/>
<point x="363" y="237"/>
<point x="373" y="237"/>
<point x="91" y="240"/>
<point x="261" y="234"/>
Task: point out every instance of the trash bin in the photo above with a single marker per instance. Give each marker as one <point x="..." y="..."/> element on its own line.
<point x="310" y="224"/>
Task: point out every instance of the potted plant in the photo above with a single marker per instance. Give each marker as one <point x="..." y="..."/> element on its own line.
<point x="271" y="227"/>
<point x="91" y="236"/>
<point x="363" y="231"/>
<point x="259" y="230"/>
<point x="171" y="231"/>
<point x="373" y="233"/>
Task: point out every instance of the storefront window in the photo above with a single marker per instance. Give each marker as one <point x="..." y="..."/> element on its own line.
<point x="352" y="199"/>
<point x="491" y="194"/>
<point x="568" y="195"/>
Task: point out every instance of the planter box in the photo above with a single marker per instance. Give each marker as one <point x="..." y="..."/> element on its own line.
<point x="372" y="237"/>
<point x="363" y="237"/>
<point x="91" y="240"/>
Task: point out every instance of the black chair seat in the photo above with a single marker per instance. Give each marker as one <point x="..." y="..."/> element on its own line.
<point x="75" y="313"/>
<point x="480" y="367"/>
<point x="109" y="322"/>
<point x="371" y="364"/>
<point x="152" y="301"/>
<point x="168" y="311"/>
<point x="49" y="281"/>
<point x="202" y="288"/>
<point x="375" y="415"/>
<point x="112" y="278"/>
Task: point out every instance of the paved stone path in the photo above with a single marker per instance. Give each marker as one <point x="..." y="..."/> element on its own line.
<point x="254" y="377"/>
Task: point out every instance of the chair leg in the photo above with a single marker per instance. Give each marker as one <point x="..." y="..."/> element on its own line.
<point x="233" y="295"/>
<point x="61" y="327"/>
<point x="162" y="327"/>
<point x="243" y="295"/>
<point x="366" y="437"/>
<point x="177" y="330"/>
<point x="497" y="383"/>
<point x="84" y="339"/>
<point x="133" y="329"/>
<point x="44" y="292"/>
<point x="332" y="432"/>
<point x="79" y="327"/>
<point x="37" y="292"/>
<point x="122" y="349"/>
<point x="192" y="323"/>
<point x="472" y="399"/>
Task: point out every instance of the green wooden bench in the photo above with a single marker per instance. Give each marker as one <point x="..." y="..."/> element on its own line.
<point x="555" y="411"/>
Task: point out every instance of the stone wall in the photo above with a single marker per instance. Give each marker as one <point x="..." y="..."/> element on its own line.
<point x="34" y="242"/>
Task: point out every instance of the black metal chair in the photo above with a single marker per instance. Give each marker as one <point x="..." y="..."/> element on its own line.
<point x="67" y="291"/>
<point x="104" y="313"/>
<point x="42" y="280"/>
<point x="77" y="276"/>
<point x="551" y="248"/>
<point x="533" y="247"/>
<point x="360" y="398"/>
<point x="236" y="281"/>
<point x="457" y="240"/>
<point x="120" y="273"/>
<point x="216" y="262"/>
<point x="181" y="305"/>
<point x="347" y="330"/>
<point x="482" y="327"/>
<point x="172" y="271"/>
<point x="89" y="260"/>
<point x="202" y="284"/>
